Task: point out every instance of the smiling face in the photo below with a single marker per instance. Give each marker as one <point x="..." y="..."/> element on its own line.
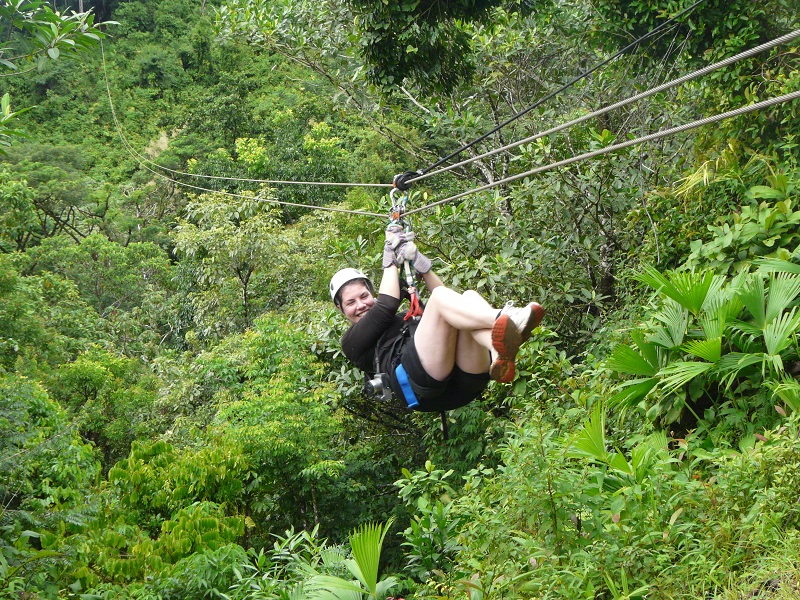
<point x="356" y="301"/>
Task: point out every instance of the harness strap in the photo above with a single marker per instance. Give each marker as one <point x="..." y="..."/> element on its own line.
<point x="405" y="385"/>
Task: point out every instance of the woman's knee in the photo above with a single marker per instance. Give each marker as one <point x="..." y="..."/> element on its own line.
<point x="475" y="298"/>
<point x="440" y="296"/>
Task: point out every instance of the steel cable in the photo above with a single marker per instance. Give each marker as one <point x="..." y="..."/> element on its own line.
<point x="646" y="94"/>
<point x="641" y="140"/>
<point x="569" y="84"/>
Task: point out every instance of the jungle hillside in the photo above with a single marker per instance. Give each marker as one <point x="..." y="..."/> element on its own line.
<point x="179" y="179"/>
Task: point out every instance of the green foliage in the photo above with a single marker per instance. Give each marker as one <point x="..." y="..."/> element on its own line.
<point x="432" y="535"/>
<point x="768" y="230"/>
<point x="113" y="398"/>
<point x="251" y="423"/>
<point x="229" y="241"/>
<point x="17" y="215"/>
<point x="110" y="277"/>
<point x="38" y="33"/>
<point x="156" y="482"/>
<point x="46" y="472"/>
<point x="366" y="543"/>
<point x="7" y="117"/>
<point x="700" y="353"/>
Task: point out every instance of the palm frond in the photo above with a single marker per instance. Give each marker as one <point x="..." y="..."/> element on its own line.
<point x="675" y="319"/>
<point x="771" y="265"/>
<point x="366" y="543"/>
<point x="731" y="364"/>
<point x="752" y="296"/>
<point x="625" y="359"/>
<point x="687" y="288"/>
<point x="779" y="333"/>
<point x="713" y="322"/>
<point x="328" y="587"/>
<point x="645" y="454"/>
<point x="716" y="295"/>
<point x="630" y="392"/>
<point x="783" y="289"/>
<point x="590" y="442"/>
<point x="648" y="350"/>
<point x="676" y="375"/>
<point x="385" y="585"/>
<point x="788" y="390"/>
<point x="709" y="350"/>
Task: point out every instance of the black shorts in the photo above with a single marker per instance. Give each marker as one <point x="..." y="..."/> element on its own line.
<point x="459" y="389"/>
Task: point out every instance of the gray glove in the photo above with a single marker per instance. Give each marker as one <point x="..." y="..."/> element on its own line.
<point x="390" y="254"/>
<point x="393" y="249"/>
<point x="420" y="262"/>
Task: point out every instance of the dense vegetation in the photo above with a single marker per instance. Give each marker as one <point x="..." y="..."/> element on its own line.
<point x="176" y="421"/>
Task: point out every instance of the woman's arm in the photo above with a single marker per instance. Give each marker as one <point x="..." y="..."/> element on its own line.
<point x="431" y="280"/>
<point x="390" y="282"/>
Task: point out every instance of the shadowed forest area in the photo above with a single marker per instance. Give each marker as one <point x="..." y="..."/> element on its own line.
<point x="177" y="420"/>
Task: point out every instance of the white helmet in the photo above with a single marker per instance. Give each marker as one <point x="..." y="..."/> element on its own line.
<point x="343" y="276"/>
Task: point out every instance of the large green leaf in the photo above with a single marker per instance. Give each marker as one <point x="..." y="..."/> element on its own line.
<point x="752" y="296"/>
<point x="366" y="543"/>
<point x="788" y="390"/>
<point x="687" y="288"/>
<point x="675" y="319"/>
<point x="676" y="375"/>
<point x="770" y="265"/>
<point x="710" y="350"/>
<point x="731" y="364"/>
<point x="648" y="350"/>
<point x="327" y="587"/>
<point x="646" y="454"/>
<point x="590" y="442"/>
<point x="625" y="359"/>
<point x="781" y="332"/>
<point x="630" y="392"/>
<point x="783" y="289"/>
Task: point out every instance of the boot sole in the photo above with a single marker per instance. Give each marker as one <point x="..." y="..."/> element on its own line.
<point x="506" y="340"/>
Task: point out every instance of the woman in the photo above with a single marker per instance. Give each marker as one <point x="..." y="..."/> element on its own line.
<point x="443" y="360"/>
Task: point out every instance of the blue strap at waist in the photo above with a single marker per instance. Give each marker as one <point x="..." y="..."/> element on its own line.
<point x="405" y="385"/>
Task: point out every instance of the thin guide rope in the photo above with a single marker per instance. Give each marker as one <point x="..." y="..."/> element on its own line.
<point x="559" y="90"/>
<point x="140" y="158"/>
<point x="646" y="94"/>
<point x="647" y="138"/>
<point x="143" y="165"/>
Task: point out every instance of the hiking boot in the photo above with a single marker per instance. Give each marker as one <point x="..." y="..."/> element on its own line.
<point x="525" y="319"/>
<point x="512" y="327"/>
<point x="506" y="340"/>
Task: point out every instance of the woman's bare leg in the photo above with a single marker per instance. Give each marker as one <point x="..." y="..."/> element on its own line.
<point x="455" y="329"/>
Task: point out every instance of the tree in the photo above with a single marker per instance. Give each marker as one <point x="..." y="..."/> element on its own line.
<point x="229" y="240"/>
<point x="39" y="34"/>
